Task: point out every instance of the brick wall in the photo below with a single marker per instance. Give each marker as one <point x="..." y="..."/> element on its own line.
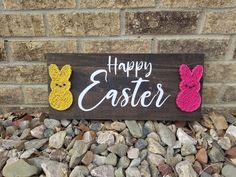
<point x="30" y="28"/>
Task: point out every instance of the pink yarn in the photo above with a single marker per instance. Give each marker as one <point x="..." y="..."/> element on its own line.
<point x="189" y="99"/>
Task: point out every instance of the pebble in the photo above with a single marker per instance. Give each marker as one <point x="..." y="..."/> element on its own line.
<point x="37" y="132"/>
<point x="99" y="160"/>
<point x="216" y="154"/>
<point x="26" y="134"/>
<point x="54" y="168"/>
<point x="229" y="171"/>
<point x="70" y="131"/>
<point x="75" y="122"/>
<point x="96" y="126"/>
<point x="204" y="174"/>
<point x="185" y="169"/>
<point x="164" y="169"/>
<point x="119" y="149"/>
<point x="132" y="172"/>
<point x="231" y="152"/>
<point x="150" y="127"/>
<point x="8" y="143"/>
<point x="103" y="171"/>
<point x="48" y="132"/>
<point x="27" y="153"/>
<point x="214" y="134"/>
<point x="135" y="162"/>
<point x="198" y="127"/>
<point x="206" y="122"/>
<point x="24" y="124"/>
<point x="118" y="126"/>
<point x="133" y="153"/>
<point x="201" y="156"/>
<point x="144" y="169"/>
<point x="79" y="171"/>
<point x="3" y="161"/>
<point x="35" y="143"/>
<point x="99" y="148"/>
<point x="106" y="138"/>
<point x="230" y="118"/>
<point x="231" y="131"/>
<point x="197" y="167"/>
<point x="19" y="168"/>
<point x="52" y="123"/>
<point x="65" y="122"/>
<point x="88" y="158"/>
<point x="184" y="138"/>
<point x="155" y="147"/>
<point x="154" y="170"/>
<point x="141" y="144"/>
<point x="123" y="162"/>
<point x="111" y="159"/>
<point x="154" y="158"/>
<point x="10" y="130"/>
<point x="58" y="155"/>
<point x="166" y="135"/>
<point x="57" y="140"/>
<point x="89" y="136"/>
<point x="224" y="143"/>
<point x="218" y="120"/>
<point x="80" y="147"/>
<point x="188" y="149"/>
<point x="134" y="128"/>
<point x="119" y="172"/>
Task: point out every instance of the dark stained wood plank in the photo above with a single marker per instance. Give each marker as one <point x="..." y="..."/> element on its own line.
<point x="165" y="71"/>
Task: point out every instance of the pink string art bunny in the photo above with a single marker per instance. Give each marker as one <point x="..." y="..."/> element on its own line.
<point x="189" y="99"/>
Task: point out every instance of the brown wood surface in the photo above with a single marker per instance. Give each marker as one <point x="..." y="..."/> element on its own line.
<point x="165" y="71"/>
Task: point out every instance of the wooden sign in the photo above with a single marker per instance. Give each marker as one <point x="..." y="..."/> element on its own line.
<point x="125" y="86"/>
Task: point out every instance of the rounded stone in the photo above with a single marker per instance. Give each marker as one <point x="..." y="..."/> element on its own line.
<point x="133" y="153"/>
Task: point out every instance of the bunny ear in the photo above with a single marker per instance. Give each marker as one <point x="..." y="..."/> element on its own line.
<point x="53" y="71"/>
<point x="66" y="72"/>
<point x="198" y="72"/>
<point x="184" y="71"/>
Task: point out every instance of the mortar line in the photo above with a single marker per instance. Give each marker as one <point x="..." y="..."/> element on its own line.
<point x="15" y="63"/>
<point x="77" y="4"/>
<point x="153" y="45"/>
<point x="34" y="86"/>
<point x="1" y="5"/>
<point x="23" y="94"/>
<point x="158" y="3"/>
<point x="232" y="104"/>
<point x="201" y="22"/>
<point x="45" y="22"/>
<point x="114" y="9"/>
<point x="8" y="51"/>
<point x="79" y="46"/>
<point x="122" y="22"/>
<point x="159" y="36"/>
<point x="219" y="84"/>
<point x="24" y="105"/>
<point x="220" y="61"/>
<point x="231" y="48"/>
<point x="58" y="11"/>
<point x="22" y="84"/>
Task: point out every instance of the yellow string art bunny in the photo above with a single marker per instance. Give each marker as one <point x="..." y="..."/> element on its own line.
<point x="60" y="97"/>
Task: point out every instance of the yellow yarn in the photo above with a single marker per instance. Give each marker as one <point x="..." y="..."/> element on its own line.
<point x="60" y="97"/>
